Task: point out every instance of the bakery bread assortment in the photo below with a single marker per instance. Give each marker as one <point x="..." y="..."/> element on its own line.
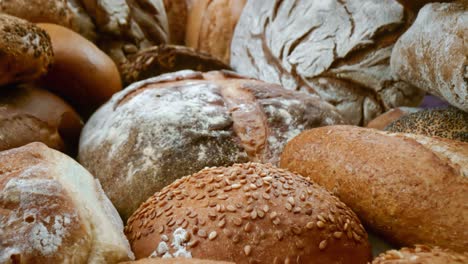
<point x="29" y="114"/>
<point x="421" y="254"/>
<point x="82" y="74"/>
<point x="161" y="59"/>
<point x="448" y="123"/>
<point x="53" y="211"/>
<point x="337" y="49"/>
<point x="26" y="50"/>
<point x="163" y="128"/>
<point x="211" y="25"/>
<point x="411" y="189"/>
<point x="247" y="213"/>
<point x="232" y="131"/>
<point x="433" y="53"/>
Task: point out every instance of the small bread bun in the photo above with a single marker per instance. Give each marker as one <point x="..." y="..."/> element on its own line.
<point x="161" y="59"/>
<point x="421" y="254"/>
<point x="383" y="120"/>
<point x="248" y="213"/>
<point x="29" y="114"/>
<point x="448" y="123"/>
<point x="53" y="211"/>
<point x="175" y="261"/>
<point x="26" y="50"/>
<point x="82" y="74"/>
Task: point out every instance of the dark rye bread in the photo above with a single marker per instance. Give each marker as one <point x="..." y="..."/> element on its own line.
<point x="408" y="188"/>
<point x="26" y="51"/>
<point x="421" y="254"/>
<point x="450" y="123"/>
<point x="166" y="127"/>
<point x="248" y="213"/>
<point x="161" y="59"/>
<point x="337" y="49"/>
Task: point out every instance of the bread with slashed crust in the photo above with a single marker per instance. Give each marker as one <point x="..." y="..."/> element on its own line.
<point x="421" y="254"/>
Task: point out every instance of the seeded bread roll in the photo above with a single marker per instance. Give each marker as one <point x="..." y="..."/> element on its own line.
<point x="68" y="13"/>
<point x="53" y="211"/>
<point x="82" y="74"/>
<point x="29" y="114"/>
<point x="26" y="50"/>
<point x="385" y="119"/>
<point x="409" y="188"/>
<point x="448" y="123"/>
<point x="336" y="49"/>
<point x="433" y="53"/>
<point x="155" y="61"/>
<point x="163" y="128"/>
<point x="248" y="213"/>
<point x="420" y="254"/>
<point x="175" y="261"/>
<point x="177" y="12"/>
<point x="211" y="25"/>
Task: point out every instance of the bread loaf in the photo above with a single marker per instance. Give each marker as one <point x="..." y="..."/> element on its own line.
<point x="211" y="25"/>
<point x="175" y="261"/>
<point x="26" y="50"/>
<point x="448" y="123"/>
<point x="82" y="74"/>
<point x="29" y="114"/>
<point x="161" y="59"/>
<point x="53" y="211"/>
<point x="409" y="188"/>
<point x="336" y="49"/>
<point x="68" y="13"/>
<point x="248" y="213"/>
<point x="177" y="12"/>
<point x="421" y="255"/>
<point x="433" y="53"/>
<point x="163" y="128"/>
<point x="385" y="119"/>
<point x="415" y="5"/>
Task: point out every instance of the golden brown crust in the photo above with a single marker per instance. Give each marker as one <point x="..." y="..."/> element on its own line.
<point x="176" y="261"/>
<point x="248" y="213"/>
<point x="211" y="24"/>
<point x="383" y="120"/>
<point x="409" y="188"/>
<point x="29" y="114"/>
<point x="82" y="74"/>
<point x="26" y="50"/>
<point x="421" y="254"/>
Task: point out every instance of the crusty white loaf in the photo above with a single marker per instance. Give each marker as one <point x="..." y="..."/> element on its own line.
<point x="411" y="189"/>
<point x="53" y="211"/>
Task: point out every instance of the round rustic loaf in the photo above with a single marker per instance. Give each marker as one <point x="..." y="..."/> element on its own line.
<point x="163" y="128"/>
<point x="433" y="53"/>
<point x="53" y="211"/>
<point x="248" y="213"/>
<point x="175" y="261"/>
<point x="385" y="119"/>
<point x="82" y="74"/>
<point x="161" y="59"/>
<point x="448" y="123"/>
<point x="68" y="13"/>
<point x="337" y="49"/>
<point x="177" y="12"/>
<point x="411" y="189"/>
<point x="29" y="114"/>
<point x="211" y="25"/>
<point x="421" y="254"/>
<point x="26" y="50"/>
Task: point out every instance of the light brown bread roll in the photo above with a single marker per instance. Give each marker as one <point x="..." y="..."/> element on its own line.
<point x="248" y="213"/>
<point x="385" y="119"/>
<point x="336" y="49"/>
<point x="433" y="54"/>
<point x="82" y="74"/>
<point x="211" y="24"/>
<point x="409" y="188"/>
<point x="175" y="261"/>
<point x="53" y="211"/>
<point x="421" y="254"/>
<point x="68" y="13"/>
<point x="26" y="50"/>
<point x="163" y="128"/>
<point x="29" y="114"/>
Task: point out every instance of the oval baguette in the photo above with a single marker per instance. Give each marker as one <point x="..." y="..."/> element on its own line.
<point x="409" y="188"/>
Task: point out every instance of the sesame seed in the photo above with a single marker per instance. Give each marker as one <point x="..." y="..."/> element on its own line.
<point x="320" y="224"/>
<point x="201" y="233"/>
<point x="248" y="227"/>
<point x="291" y="201"/>
<point x="323" y="245"/>
<point x="193" y="243"/>
<point x="247" y="250"/>
<point x="231" y="208"/>
<point x="310" y="225"/>
<point x="212" y="235"/>
<point x="222" y="223"/>
<point x="288" y="207"/>
<point x="338" y="234"/>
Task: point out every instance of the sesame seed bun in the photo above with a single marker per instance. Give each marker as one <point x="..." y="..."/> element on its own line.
<point x="175" y="261"/>
<point x="248" y="213"/>
<point x="420" y="254"/>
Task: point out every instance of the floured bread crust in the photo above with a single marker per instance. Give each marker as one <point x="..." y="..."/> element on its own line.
<point x="53" y="211"/>
<point x="166" y="127"/>
<point x="339" y="50"/>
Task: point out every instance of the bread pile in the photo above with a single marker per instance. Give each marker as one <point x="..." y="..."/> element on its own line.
<point x="225" y="131"/>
